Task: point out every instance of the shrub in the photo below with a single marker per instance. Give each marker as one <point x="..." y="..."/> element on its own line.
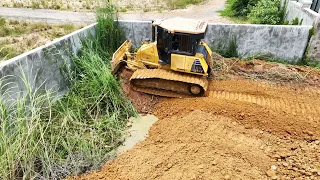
<point x="267" y="12"/>
<point x="238" y="8"/>
<point x="242" y="7"/>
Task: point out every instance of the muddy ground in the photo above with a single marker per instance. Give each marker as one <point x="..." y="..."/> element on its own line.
<point x="260" y="121"/>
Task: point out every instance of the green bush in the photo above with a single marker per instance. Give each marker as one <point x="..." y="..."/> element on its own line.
<point x="242" y="7"/>
<point x="267" y="12"/>
<point x="238" y="8"/>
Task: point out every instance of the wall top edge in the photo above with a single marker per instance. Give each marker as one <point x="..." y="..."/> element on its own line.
<point x="140" y="21"/>
<point x="52" y="43"/>
<point x="263" y="25"/>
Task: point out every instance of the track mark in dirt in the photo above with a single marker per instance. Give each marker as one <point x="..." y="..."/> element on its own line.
<point x="278" y="110"/>
<point x="275" y="104"/>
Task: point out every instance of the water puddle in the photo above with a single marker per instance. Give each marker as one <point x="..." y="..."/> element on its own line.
<point x="137" y="131"/>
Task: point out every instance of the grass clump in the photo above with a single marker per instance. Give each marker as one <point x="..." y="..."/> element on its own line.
<point x="296" y="21"/>
<point x="35" y="5"/>
<point x="227" y="50"/>
<point x="46" y="139"/>
<point x="123" y="9"/>
<point x="180" y="4"/>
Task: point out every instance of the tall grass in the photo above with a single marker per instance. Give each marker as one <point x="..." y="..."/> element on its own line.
<point x="45" y="139"/>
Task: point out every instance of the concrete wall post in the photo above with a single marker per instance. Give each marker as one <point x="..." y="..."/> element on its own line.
<point x="306" y="3"/>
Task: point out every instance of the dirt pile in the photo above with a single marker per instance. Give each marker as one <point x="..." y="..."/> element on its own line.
<point x="242" y="130"/>
<point x="199" y="145"/>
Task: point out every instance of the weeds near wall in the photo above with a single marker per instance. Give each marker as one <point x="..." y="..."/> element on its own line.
<point x="46" y="139"/>
<point x="306" y="60"/>
<point x="296" y="21"/>
<point x="227" y="50"/>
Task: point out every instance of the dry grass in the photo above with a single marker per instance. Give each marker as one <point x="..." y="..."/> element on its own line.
<point x="17" y="37"/>
<point x="256" y="69"/>
<point x="75" y="5"/>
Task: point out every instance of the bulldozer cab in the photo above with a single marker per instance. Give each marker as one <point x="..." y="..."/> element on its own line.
<point x="177" y="36"/>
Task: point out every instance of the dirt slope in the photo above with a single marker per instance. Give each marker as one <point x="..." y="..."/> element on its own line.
<point x="242" y="130"/>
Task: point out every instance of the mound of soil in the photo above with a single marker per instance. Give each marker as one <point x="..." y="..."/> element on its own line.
<point x="242" y="130"/>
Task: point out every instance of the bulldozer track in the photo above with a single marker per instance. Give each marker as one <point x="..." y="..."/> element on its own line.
<point x="291" y="86"/>
<point x="272" y="103"/>
<point x="167" y="83"/>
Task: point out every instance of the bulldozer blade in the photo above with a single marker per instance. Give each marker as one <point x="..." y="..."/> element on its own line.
<point x="119" y="57"/>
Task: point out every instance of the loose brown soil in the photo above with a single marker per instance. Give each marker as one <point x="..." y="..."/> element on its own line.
<point x="252" y="125"/>
<point x="143" y="103"/>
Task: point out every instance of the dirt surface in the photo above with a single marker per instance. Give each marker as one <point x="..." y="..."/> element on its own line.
<point x="252" y="125"/>
<point x="207" y="11"/>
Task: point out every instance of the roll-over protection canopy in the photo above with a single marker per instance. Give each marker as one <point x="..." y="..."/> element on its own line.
<point x="182" y="25"/>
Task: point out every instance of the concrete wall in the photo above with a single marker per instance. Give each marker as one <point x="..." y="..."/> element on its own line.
<point x="314" y="46"/>
<point x="136" y="31"/>
<point x="285" y="42"/>
<point x="297" y="9"/>
<point x="42" y="66"/>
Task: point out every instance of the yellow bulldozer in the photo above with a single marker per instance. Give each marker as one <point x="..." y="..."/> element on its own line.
<point x="176" y="63"/>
